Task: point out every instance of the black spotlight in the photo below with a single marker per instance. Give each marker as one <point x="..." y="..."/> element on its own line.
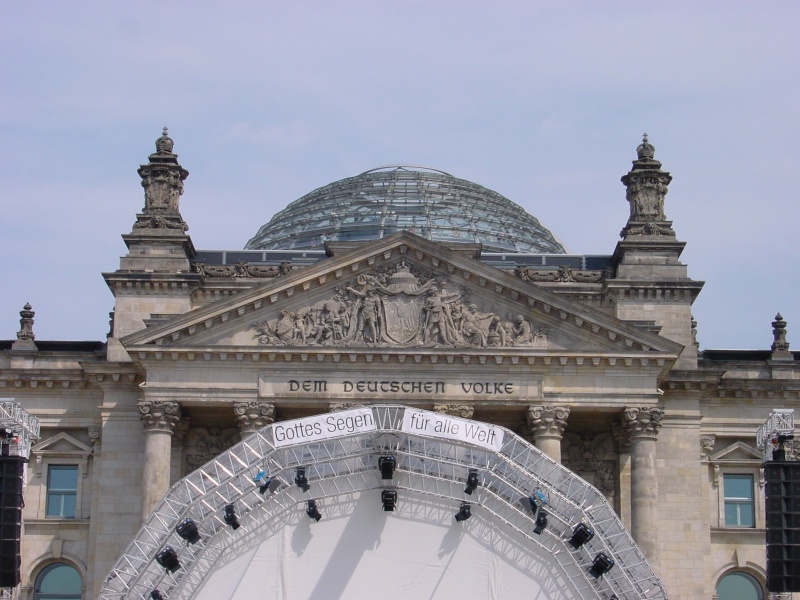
<point x="464" y="512"/>
<point x="168" y="559"/>
<point x="311" y="510"/>
<point x="389" y="499"/>
<point x="541" y="523"/>
<point x="472" y="481"/>
<point x="601" y="565"/>
<point x="300" y="479"/>
<point x="387" y="465"/>
<point x="614" y="597"/>
<point x="230" y="516"/>
<point x="187" y="529"/>
<point x="580" y="535"/>
<point x="156" y="595"/>
<point x="532" y="504"/>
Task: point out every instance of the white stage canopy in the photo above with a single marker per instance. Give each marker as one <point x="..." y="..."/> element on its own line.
<point x="357" y="549"/>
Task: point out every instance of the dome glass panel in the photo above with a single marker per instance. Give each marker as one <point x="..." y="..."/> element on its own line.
<point x="429" y="203"/>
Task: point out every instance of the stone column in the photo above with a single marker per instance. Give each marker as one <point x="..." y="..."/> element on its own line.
<point x="547" y="424"/>
<point x="642" y="425"/>
<point x="159" y="420"/>
<point x="252" y="416"/>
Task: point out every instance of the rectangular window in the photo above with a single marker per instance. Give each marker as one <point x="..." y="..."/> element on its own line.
<point x="62" y="491"/>
<point x="739" y="505"/>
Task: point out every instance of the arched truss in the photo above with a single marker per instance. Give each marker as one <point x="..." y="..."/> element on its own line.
<point x="428" y="465"/>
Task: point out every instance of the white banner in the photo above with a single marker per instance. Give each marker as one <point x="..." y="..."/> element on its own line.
<point x="323" y="427"/>
<point x="452" y="428"/>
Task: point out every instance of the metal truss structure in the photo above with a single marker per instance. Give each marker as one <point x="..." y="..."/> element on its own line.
<point x="259" y="480"/>
<point x="22" y="428"/>
<point x="775" y="430"/>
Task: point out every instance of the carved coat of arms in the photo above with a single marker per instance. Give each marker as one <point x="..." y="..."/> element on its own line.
<point x="398" y="308"/>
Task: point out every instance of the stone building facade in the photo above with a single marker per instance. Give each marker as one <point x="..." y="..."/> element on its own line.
<point x="593" y="359"/>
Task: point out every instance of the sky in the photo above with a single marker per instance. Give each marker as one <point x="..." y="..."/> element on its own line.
<point x="543" y="102"/>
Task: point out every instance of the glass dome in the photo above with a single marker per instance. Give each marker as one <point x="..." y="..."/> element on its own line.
<point x="433" y="204"/>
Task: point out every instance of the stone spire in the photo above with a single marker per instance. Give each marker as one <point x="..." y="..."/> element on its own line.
<point x="25" y="334"/>
<point x="162" y="180"/>
<point x="646" y="187"/>
<point x="780" y="347"/>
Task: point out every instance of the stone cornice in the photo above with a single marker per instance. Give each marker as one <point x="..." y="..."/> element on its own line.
<point x="654" y="361"/>
<point x="554" y="309"/>
<point x="141" y="283"/>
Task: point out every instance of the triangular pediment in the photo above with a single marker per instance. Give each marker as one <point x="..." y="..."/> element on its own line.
<point x="402" y="292"/>
<point x="62" y="444"/>
<point x="738" y="451"/>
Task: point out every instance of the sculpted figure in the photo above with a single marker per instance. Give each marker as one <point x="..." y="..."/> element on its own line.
<point x="439" y="327"/>
<point x="368" y="321"/>
<point x="522" y="332"/>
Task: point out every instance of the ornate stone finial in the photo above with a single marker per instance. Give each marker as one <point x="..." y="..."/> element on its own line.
<point x="25" y="334"/>
<point x="645" y="150"/>
<point x="646" y="187"/>
<point x="164" y="144"/>
<point x="252" y="416"/>
<point x="159" y="416"/>
<point x="780" y="347"/>
<point x="693" y="325"/>
<point x="162" y="180"/>
<point x="94" y="436"/>
<point x="642" y="422"/>
<point x="547" y="420"/>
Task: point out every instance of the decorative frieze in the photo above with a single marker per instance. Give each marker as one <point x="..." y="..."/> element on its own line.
<point x="642" y="422"/>
<point x="563" y="274"/>
<point x="400" y="306"/>
<point x="252" y="416"/>
<point x="242" y="269"/>
<point x="454" y="410"/>
<point x="158" y="415"/>
<point x="202" y="444"/>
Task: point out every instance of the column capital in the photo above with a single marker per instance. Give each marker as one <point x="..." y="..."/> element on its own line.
<point x="158" y="415"/>
<point x="252" y="416"/>
<point x="547" y="420"/>
<point x="642" y="422"/>
<point x="454" y="410"/>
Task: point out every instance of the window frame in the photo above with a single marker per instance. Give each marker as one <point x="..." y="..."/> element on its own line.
<point x="51" y="493"/>
<point x="41" y="575"/>
<point x="759" y="586"/>
<point x="737" y="458"/>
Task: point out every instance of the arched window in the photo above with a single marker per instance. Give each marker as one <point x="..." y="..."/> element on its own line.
<point x="58" y="581"/>
<point x="739" y="586"/>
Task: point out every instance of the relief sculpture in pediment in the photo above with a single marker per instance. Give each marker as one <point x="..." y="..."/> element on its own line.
<point x="403" y="307"/>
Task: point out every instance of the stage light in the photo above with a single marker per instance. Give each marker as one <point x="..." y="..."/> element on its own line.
<point x="311" y="510"/>
<point x="614" y="597"/>
<point x="533" y="505"/>
<point x="156" y="595"/>
<point x="540" y="496"/>
<point x="389" y="499"/>
<point x="387" y="465"/>
<point x="168" y="559"/>
<point x="187" y="529"/>
<point x="464" y="512"/>
<point x="580" y="535"/>
<point x="263" y="481"/>
<point x="602" y="564"/>
<point x="230" y="517"/>
<point x="541" y="523"/>
<point x="300" y="479"/>
<point x="472" y="481"/>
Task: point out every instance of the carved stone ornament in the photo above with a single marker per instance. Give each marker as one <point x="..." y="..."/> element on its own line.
<point x="242" y="269"/>
<point x="646" y="186"/>
<point x="94" y="437"/>
<point x="642" y="422"/>
<point x="707" y="445"/>
<point x="25" y="335"/>
<point x="593" y="456"/>
<point x="547" y="420"/>
<point x="649" y="228"/>
<point x="563" y="275"/>
<point x="778" y="333"/>
<point x="340" y="406"/>
<point x="464" y="411"/>
<point x="203" y="444"/>
<point x="159" y="416"/>
<point x="162" y="180"/>
<point x="252" y="416"/>
<point x="402" y="307"/>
